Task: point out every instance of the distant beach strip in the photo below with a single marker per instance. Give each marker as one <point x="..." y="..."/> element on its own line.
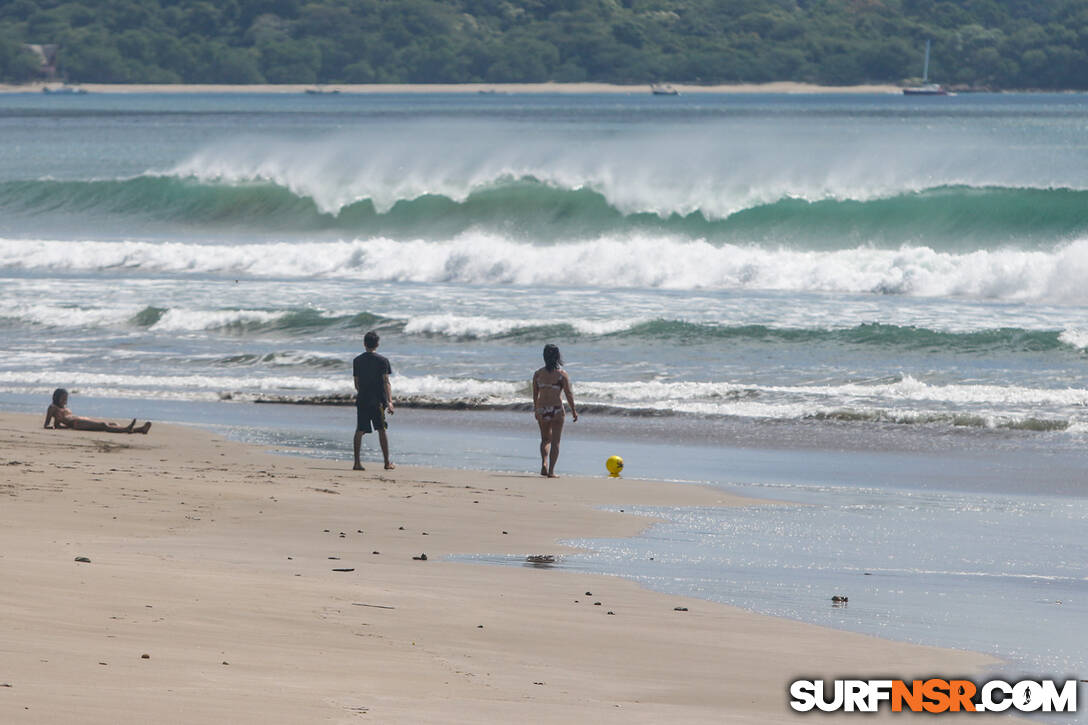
<point x="573" y="88"/>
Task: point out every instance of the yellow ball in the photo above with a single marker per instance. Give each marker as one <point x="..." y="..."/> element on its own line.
<point x="614" y="464"/>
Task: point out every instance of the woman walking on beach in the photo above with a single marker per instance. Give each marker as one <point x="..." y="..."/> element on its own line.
<point x="58" y="416"/>
<point x="550" y="384"/>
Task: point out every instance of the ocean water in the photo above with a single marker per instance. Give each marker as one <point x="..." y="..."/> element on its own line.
<point x="873" y="305"/>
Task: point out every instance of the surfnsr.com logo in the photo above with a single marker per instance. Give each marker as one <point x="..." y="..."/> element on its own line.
<point x="933" y="695"/>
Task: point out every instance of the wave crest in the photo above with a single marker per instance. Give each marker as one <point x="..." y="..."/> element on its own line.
<point x="527" y="208"/>
<point x="300" y="322"/>
<point x="1055" y="275"/>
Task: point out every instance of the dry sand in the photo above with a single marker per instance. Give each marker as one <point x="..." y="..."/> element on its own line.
<point x="216" y="560"/>
<point x="573" y="88"/>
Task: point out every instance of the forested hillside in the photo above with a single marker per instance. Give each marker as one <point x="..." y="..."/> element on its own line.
<point x="978" y="43"/>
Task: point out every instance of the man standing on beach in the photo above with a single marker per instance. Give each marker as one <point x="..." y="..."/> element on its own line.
<point x="372" y="397"/>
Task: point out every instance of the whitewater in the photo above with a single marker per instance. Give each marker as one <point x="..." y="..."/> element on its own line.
<point x="871" y="305"/>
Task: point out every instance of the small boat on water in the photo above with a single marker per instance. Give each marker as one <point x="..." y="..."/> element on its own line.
<point x="64" y="90"/>
<point x="663" y="89"/>
<point x="925" y="88"/>
<point x="322" y="92"/>
<point x="930" y="89"/>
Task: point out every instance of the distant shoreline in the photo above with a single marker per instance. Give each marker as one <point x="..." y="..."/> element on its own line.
<point x="485" y="88"/>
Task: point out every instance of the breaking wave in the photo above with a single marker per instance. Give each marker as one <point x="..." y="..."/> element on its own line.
<point x="307" y="321"/>
<point x="526" y="208"/>
<point x="1054" y="275"/>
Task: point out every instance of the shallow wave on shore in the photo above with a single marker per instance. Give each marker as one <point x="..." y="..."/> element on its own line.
<point x="903" y="400"/>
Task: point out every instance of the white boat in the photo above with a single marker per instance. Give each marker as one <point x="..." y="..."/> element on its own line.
<point x="926" y="89"/>
<point x="930" y="89"/>
<point x="663" y="89"/>
<point x="64" y="90"/>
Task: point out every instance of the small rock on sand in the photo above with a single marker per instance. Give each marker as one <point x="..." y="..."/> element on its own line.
<point x="83" y="560"/>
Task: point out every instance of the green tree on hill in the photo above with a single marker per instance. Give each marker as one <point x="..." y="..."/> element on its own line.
<point x="981" y="43"/>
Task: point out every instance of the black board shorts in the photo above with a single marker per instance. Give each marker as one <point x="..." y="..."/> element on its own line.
<point x="370" y="417"/>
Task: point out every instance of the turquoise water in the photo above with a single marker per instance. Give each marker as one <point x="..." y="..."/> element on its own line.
<point x="871" y="304"/>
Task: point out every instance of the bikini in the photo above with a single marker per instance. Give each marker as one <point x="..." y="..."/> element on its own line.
<point x="548" y="412"/>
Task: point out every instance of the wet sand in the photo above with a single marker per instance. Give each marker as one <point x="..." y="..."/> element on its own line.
<point x="219" y="563"/>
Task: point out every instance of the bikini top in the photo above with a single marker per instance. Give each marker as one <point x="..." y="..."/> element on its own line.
<point x="554" y="386"/>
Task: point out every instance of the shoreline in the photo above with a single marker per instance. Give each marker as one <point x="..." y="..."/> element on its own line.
<point x="215" y="559"/>
<point x="785" y="87"/>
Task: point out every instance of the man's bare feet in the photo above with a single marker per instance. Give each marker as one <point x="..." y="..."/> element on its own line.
<point x="543" y="470"/>
<point x="143" y="428"/>
<point x="358" y="467"/>
<point x="389" y="466"/>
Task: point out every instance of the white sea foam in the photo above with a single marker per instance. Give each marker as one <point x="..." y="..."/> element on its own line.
<point x="424" y="386"/>
<point x="908" y="400"/>
<point x="459" y="326"/>
<point x="439" y="388"/>
<point x="172" y="320"/>
<point x="479" y="326"/>
<point x="197" y="320"/>
<point x="1075" y="337"/>
<point x="635" y="261"/>
<point x="292" y="358"/>
<point x="1078" y="428"/>
<point x="65" y="316"/>
<point x="176" y="320"/>
<point x="907" y="389"/>
<point x="911" y="389"/>
<point x="91" y="382"/>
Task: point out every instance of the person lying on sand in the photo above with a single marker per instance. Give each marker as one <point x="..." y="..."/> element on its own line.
<point x="58" y="416"/>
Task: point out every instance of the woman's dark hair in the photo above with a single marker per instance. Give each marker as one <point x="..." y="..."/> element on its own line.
<point x="58" y="394"/>
<point x="552" y="358"/>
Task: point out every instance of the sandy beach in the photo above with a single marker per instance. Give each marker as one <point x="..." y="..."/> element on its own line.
<point x="569" y="88"/>
<point x="213" y="594"/>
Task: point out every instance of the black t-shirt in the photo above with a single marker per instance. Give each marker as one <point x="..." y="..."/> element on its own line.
<point x="369" y="368"/>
